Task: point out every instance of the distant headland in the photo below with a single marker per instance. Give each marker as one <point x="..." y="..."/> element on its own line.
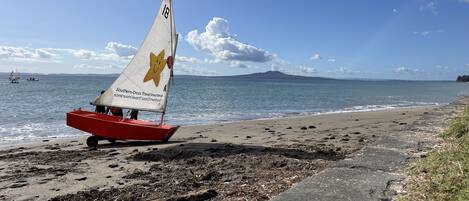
<point x="463" y="78"/>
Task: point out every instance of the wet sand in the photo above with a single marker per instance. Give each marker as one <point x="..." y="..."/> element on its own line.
<point x="250" y="160"/>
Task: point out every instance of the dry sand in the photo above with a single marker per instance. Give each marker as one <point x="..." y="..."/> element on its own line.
<point x="251" y="160"/>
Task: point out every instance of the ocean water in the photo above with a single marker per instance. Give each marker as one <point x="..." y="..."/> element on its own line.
<point x="34" y="110"/>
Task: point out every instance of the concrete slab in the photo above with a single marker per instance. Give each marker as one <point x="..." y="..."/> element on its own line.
<point x="340" y="184"/>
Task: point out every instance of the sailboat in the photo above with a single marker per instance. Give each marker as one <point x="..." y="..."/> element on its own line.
<point x="13" y="78"/>
<point x="143" y="85"/>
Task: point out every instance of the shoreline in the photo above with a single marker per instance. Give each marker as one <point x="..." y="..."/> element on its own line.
<point x="25" y="142"/>
<point x="256" y="159"/>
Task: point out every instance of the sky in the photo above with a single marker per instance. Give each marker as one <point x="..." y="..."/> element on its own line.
<point x="399" y="39"/>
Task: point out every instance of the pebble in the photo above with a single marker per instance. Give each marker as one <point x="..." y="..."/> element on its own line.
<point x="81" y="179"/>
<point x="213" y="140"/>
<point x="248" y="137"/>
<point x="304" y="128"/>
<point x="311" y="127"/>
<point x="289" y="128"/>
<point x="114" y="165"/>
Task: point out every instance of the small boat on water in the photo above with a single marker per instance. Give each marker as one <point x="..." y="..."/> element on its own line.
<point x="14" y="77"/>
<point x="142" y="86"/>
<point x="32" y="79"/>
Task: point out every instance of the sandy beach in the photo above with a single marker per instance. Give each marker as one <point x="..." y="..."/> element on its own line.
<point x="250" y="160"/>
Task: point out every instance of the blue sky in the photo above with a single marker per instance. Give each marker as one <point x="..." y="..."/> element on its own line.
<point x="401" y="39"/>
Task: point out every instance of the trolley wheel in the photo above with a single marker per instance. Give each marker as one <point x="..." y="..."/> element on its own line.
<point x="92" y="141"/>
<point x="112" y="141"/>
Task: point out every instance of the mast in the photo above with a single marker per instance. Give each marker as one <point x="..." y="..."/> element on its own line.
<point x="173" y="50"/>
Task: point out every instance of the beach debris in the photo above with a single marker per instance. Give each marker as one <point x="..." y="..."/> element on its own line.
<point x="312" y="127"/>
<point x="403" y="123"/>
<point x="45" y="140"/>
<point x="18" y="185"/>
<point x="198" y="196"/>
<point x="114" y="165"/>
<point x="213" y="140"/>
<point x="357" y="119"/>
<point x="81" y="179"/>
<point x="403" y="113"/>
<point x="59" y="174"/>
<point x="266" y="129"/>
<point x="304" y="128"/>
<point x="248" y="137"/>
<point x="289" y="128"/>
<point x="356" y="133"/>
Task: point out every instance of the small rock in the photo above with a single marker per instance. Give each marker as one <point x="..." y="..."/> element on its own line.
<point x="361" y="140"/>
<point x="135" y="150"/>
<point x="311" y="127"/>
<point x="81" y="179"/>
<point x="248" y="137"/>
<point x="304" y="128"/>
<point x="18" y="185"/>
<point x="345" y="140"/>
<point x="267" y="129"/>
<point x="402" y="124"/>
<point x="213" y="140"/>
<point x="45" y="140"/>
<point x="357" y="119"/>
<point x="155" y="149"/>
<point x="114" y="154"/>
<point x="236" y="136"/>
<point x="403" y="113"/>
<point x="108" y="177"/>
<point x="59" y="174"/>
<point x="425" y="113"/>
<point x="114" y="165"/>
<point x="356" y="133"/>
<point x="289" y="128"/>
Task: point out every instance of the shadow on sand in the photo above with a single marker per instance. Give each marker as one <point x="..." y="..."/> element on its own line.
<point x="124" y="144"/>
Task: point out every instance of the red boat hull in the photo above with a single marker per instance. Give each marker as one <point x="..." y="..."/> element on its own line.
<point x="116" y="128"/>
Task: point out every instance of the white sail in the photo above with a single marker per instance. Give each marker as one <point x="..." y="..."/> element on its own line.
<point x="144" y="83"/>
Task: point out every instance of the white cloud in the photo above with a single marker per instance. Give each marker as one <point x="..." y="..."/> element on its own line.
<point x="26" y="54"/>
<point x="238" y="64"/>
<point x="394" y="10"/>
<point x="190" y="70"/>
<point x="342" y="71"/>
<point x="307" y="70"/>
<point x="316" y="57"/>
<point x="121" y="49"/>
<point x="467" y="65"/>
<point x="223" y="46"/>
<point x="188" y="59"/>
<point x="331" y="60"/>
<point x="431" y="7"/>
<point x="465" y="1"/>
<point x="84" y="54"/>
<point x="404" y="70"/>
<point x="422" y="33"/>
<point x="104" y="67"/>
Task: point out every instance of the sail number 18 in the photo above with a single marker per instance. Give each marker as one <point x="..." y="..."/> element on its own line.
<point x="165" y="11"/>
